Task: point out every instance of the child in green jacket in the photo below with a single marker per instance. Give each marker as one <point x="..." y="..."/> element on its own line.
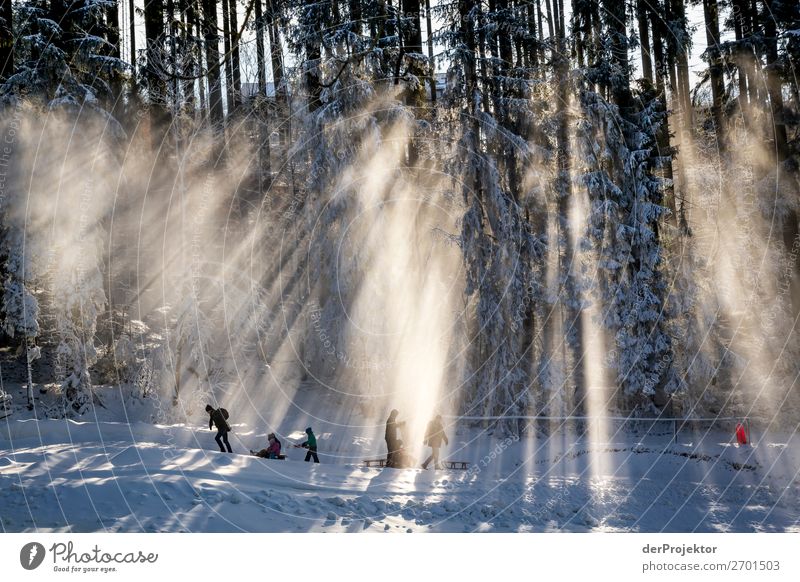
<point x="311" y="445"/>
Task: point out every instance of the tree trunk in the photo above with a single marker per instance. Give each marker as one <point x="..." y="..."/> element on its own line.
<point x="531" y="49"/>
<point x="740" y="28"/>
<point x="504" y="40"/>
<point x="28" y="368"/>
<point x="412" y="39"/>
<point x="644" y="38"/>
<point x="112" y="28"/>
<point x="467" y="34"/>
<point x="662" y="139"/>
<point x="521" y="17"/>
<point x="429" y="26"/>
<point x="154" y="74"/>
<point x="354" y="6"/>
<point x="310" y="19"/>
<point x="235" y="55"/>
<point x="620" y="79"/>
<point x="481" y="46"/>
<point x="335" y="12"/>
<point x="579" y="25"/>
<point x="573" y="328"/>
<point x="173" y="53"/>
<point x="112" y="36"/>
<point x="550" y="19"/>
<point x="751" y="29"/>
<point x="6" y="40"/>
<point x="260" y="56"/>
<point x="187" y="10"/>
<point x="276" y="61"/>
<point x="711" y="14"/>
<point x="596" y="26"/>
<point x="505" y="62"/>
<point x="679" y="13"/>
<point x="682" y="137"/>
<point x="262" y="118"/>
<point x="774" y="85"/>
<point x="781" y="146"/>
<point x="211" y="36"/>
<point x="132" y="35"/>
<point x="412" y="43"/>
<point x="493" y="77"/>
<point x="227" y="57"/>
<point x="540" y="29"/>
<point x="154" y="37"/>
<point x="660" y="69"/>
<point x="201" y="85"/>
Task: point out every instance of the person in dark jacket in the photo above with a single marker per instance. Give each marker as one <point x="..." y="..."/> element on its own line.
<point x="216" y="418"/>
<point x="393" y="439"/>
<point x="311" y="445"/>
<point x="434" y="435"/>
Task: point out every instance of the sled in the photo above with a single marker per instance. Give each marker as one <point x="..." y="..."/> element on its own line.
<point x="382" y="464"/>
<point x="281" y="457"/>
<point x="374" y="462"/>
<point x="455" y="465"/>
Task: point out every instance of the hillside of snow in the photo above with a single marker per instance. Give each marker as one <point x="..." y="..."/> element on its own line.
<point x="67" y="476"/>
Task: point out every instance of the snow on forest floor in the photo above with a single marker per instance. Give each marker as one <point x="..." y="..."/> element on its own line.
<point x="59" y="475"/>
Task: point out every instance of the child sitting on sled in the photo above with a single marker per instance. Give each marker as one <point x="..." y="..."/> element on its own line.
<point x="273" y="450"/>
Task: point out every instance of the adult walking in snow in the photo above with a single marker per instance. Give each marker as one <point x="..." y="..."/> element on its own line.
<point x="219" y="417"/>
<point x="434" y="435"/>
<point x="273" y="450"/>
<point x="393" y="439"/>
<point x="311" y="445"/>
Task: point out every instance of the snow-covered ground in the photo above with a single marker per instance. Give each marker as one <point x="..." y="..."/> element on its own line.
<point x="58" y="475"/>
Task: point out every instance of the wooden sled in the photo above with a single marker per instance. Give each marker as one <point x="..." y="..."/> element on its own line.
<point x="460" y="465"/>
<point x="281" y="457"/>
<point x="455" y="465"/>
<point x="374" y="462"/>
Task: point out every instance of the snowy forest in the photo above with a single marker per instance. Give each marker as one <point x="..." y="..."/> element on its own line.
<point x="494" y="210"/>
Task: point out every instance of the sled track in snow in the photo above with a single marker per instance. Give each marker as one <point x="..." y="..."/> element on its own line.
<point x="734" y="465"/>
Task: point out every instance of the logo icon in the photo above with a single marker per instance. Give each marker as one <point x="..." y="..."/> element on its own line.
<point x="31" y="555"/>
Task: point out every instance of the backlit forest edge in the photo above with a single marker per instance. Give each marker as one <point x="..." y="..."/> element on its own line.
<point x="490" y="209"/>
